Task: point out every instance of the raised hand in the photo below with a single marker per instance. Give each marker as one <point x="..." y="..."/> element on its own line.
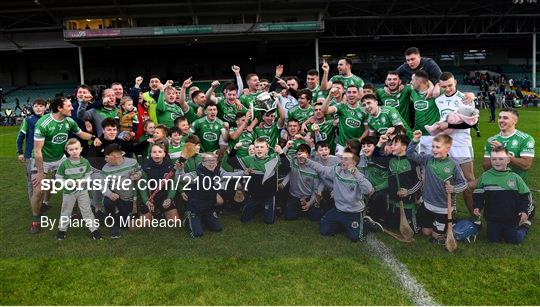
<point x="187" y="83"/>
<point x="416" y="135"/>
<point x="325" y="67"/>
<point x="279" y="70"/>
<point x="138" y="81"/>
<point x="236" y="69"/>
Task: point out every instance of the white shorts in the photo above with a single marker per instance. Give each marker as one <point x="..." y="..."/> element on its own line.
<point x="47" y="166"/>
<point x="426" y="142"/>
<point x="461" y="154"/>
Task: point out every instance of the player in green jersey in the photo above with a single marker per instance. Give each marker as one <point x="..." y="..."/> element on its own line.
<point x="381" y="118"/>
<point x="312" y="84"/>
<point x="345" y="75"/>
<point x="426" y="111"/>
<point x="395" y="95"/>
<point x="519" y="144"/>
<point x="166" y="109"/>
<point x="50" y="137"/>
<point x="239" y="134"/>
<point x="211" y="130"/>
<point x="229" y="106"/>
<point x="270" y="127"/>
<point x="198" y="100"/>
<point x="303" y="110"/>
<point x="322" y="128"/>
<point x="352" y="118"/>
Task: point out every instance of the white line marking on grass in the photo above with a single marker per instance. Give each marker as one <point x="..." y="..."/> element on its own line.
<point x="416" y="291"/>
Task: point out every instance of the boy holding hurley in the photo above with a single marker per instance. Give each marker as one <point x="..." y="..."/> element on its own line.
<point x="442" y="176"/>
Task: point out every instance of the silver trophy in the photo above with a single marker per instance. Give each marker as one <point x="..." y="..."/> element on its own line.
<point x="264" y="102"/>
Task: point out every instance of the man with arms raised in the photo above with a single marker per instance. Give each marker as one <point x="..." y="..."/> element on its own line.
<point x="345" y="75"/>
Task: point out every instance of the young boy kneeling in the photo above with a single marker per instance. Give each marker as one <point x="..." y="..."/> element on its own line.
<point x="201" y="201"/>
<point x="505" y="200"/>
<point x="304" y="182"/>
<point x="349" y="186"/>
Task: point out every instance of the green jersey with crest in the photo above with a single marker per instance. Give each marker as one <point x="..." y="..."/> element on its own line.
<point x="74" y="170"/>
<point x="208" y="132"/>
<point x="350" y="80"/>
<point x="270" y="134"/>
<point x="399" y="100"/>
<point x="351" y="122"/>
<point x="301" y="115"/>
<point x="167" y="112"/>
<point x="175" y="151"/>
<point x="227" y="112"/>
<point x="425" y="111"/>
<point x="246" y="138"/>
<point x="327" y="133"/>
<point x="387" y="117"/>
<point x="317" y="93"/>
<point x="246" y="100"/>
<point x="55" y="134"/>
<point x="519" y="144"/>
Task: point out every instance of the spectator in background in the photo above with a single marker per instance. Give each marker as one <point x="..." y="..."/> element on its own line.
<point x="492" y="99"/>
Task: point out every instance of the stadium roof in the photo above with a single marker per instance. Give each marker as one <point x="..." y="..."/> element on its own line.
<point x="395" y="20"/>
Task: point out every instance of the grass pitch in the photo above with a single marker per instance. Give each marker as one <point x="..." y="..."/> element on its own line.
<point x="288" y="263"/>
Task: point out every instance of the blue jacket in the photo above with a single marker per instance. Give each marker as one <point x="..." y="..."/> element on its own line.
<point x="27" y="132"/>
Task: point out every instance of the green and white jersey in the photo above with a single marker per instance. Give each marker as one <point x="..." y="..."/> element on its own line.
<point x="351" y="122"/>
<point x="387" y="117"/>
<point x="425" y="111"/>
<point x="291" y="152"/>
<point x="55" y="134"/>
<point x="399" y="100"/>
<point x="246" y="138"/>
<point x="519" y="144"/>
<point x="191" y="115"/>
<point x="227" y="112"/>
<point x="352" y="79"/>
<point x="73" y="169"/>
<point x="317" y="94"/>
<point x="246" y="100"/>
<point x="269" y="133"/>
<point x="448" y="104"/>
<point x="327" y="133"/>
<point x="175" y="151"/>
<point x="301" y="115"/>
<point x="167" y="112"/>
<point x="208" y="132"/>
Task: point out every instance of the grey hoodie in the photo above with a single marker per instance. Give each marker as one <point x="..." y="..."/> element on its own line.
<point x="348" y="187"/>
<point x="437" y="171"/>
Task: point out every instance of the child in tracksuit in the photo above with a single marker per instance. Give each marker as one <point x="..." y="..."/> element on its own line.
<point x="304" y="182"/>
<point x="349" y="186"/>
<point x="505" y="200"/>
<point x="75" y="168"/>
<point x="159" y="167"/>
<point x="261" y="191"/>
<point x="375" y="167"/>
<point x="119" y="202"/>
<point x="404" y="183"/>
<point x="201" y="202"/>
<point x="27" y="132"/>
<point x="324" y="191"/>
<point x="441" y="176"/>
